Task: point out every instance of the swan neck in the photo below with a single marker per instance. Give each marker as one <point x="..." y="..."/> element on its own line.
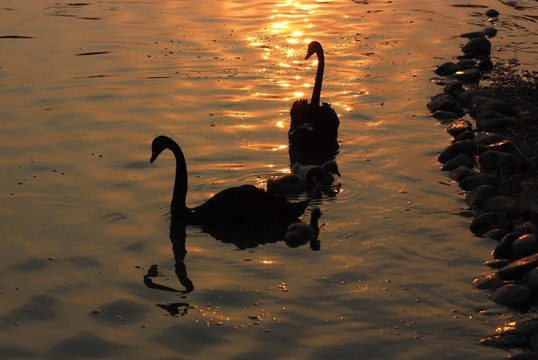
<point x="316" y="94"/>
<point x="178" y="207"/>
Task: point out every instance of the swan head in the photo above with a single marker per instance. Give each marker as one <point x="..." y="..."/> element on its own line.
<point x="313" y="48"/>
<point x="331" y="167"/>
<point x="159" y="144"/>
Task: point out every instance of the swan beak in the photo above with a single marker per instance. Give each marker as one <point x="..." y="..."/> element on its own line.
<point x="338" y="173"/>
<point x="153" y="157"/>
<point x="309" y="53"/>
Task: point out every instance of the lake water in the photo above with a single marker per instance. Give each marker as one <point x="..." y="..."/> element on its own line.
<point x="86" y="86"/>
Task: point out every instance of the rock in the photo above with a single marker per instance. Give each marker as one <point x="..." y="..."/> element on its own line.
<point x="497" y="263"/>
<point x="477" y="46"/>
<point x="453" y="88"/>
<point x="472" y="182"/>
<point x="484" y="222"/>
<point x="472" y="35"/>
<point x="445" y="102"/>
<point x="467" y="135"/>
<point x="488" y="282"/>
<point x="447" y="68"/>
<point x="460" y="160"/>
<point x="467" y="63"/>
<point x="494" y="159"/>
<point x="531" y="280"/>
<point x="461" y="172"/>
<point x="504" y="248"/>
<point x="471" y="75"/>
<point x="512" y="295"/>
<point x="490" y="32"/>
<point x="496" y="105"/>
<point x="458" y="127"/>
<point x="524" y="245"/>
<point x="516" y="269"/>
<point x="527" y="227"/>
<point x="485" y="65"/>
<point x="487" y="138"/>
<point x="533" y="344"/>
<point x="480" y="194"/>
<point x="501" y="203"/>
<point x="493" y="122"/>
<point x="445" y="116"/>
<point x="466" y="96"/>
<point x="476" y="101"/>
<point x="492" y="13"/>
<point x="504" y="146"/>
<point x="465" y="147"/>
<point x="496" y="234"/>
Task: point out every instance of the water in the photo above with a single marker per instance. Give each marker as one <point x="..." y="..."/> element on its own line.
<point x="84" y="89"/>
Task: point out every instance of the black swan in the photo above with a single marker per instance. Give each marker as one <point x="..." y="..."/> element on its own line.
<point x="300" y="233"/>
<point x="314" y="128"/>
<point x="245" y="205"/>
<point x="324" y="173"/>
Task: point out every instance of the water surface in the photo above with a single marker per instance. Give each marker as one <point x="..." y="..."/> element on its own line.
<point x="86" y="86"/>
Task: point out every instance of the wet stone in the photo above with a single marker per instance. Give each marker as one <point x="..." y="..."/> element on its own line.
<point x="488" y="282"/>
<point x="527" y="227"/>
<point x="461" y="172"/>
<point x="460" y="160"/>
<point x="472" y="182"/>
<point x="504" y="146"/>
<point x="492" y="13"/>
<point x="453" y="88"/>
<point x="493" y="122"/>
<point x="518" y="268"/>
<point x="447" y="68"/>
<point x="459" y="127"/>
<point x="496" y="234"/>
<point x="467" y="63"/>
<point x="503" y="250"/>
<point x="467" y="135"/>
<point x="496" y="105"/>
<point x="487" y="138"/>
<point x="472" y="35"/>
<point x="485" y="65"/>
<point x="497" y="264"/>
<point x="531" y="280"/>
<point x="533" y="344"/>
<point x="471" y="75"/>
<point x="466" y="96"/>
<point x="461" y="147"/>
<point x="484" y="222"/>
<point x="478" y="46"/>
<point x="512" y="295"/>
<point x="494" y="159"/>
<point x="490" y="31"/>
<point x="445" y="116"/>
<point x="445" y="102"/>
<point x="501" y="203"/>
<point x="480" y="194"/>
<point x="524" y="245"/>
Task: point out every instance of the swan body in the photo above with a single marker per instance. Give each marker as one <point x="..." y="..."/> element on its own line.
<point x="314" y="127"/>
<point x="294" y="183"/>
<point x="300" y="232"/>
<point x="324" y="173"/>
<point x="244" y="204"/>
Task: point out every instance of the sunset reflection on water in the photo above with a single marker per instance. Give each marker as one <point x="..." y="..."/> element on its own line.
<point x="84" y="214"/>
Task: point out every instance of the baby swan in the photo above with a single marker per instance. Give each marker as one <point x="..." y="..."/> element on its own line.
<point x="293" y="183"/>
<point x="325" y="172"/>
<point x="300" y="233"/>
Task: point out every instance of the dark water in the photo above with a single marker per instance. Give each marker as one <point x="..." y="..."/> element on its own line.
<point x="86" y="86"/>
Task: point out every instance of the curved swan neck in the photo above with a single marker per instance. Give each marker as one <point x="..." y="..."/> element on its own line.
<point x="178" y="206"/>
<point x="316" y="94"/>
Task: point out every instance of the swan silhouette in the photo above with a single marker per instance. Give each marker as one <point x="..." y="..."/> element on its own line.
<point x="300" y="233"/>
<point x="314" y="128"/>
<point x="296" y="183"/>
<point x="324" y="173"/>
<point x="243" y="205"/>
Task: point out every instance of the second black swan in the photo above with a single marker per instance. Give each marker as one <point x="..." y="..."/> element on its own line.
<point x="314" y="127"/>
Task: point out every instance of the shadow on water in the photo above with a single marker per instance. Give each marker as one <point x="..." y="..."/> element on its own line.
<point x="241" y="237"/>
